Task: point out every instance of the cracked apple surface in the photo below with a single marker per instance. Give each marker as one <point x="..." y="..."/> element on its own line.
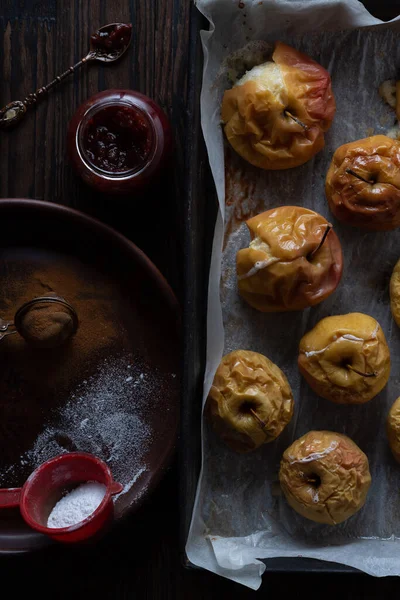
<point x="393" y="429"/>
<point x="325" y="477"/>
<point x="250" y="401"/>
<point x="395" y="293"/>
<point x="275" y="116"/>
<point x="345" y="358"/>
<point x="363" y="183"/>
<point x="294" y="260"/>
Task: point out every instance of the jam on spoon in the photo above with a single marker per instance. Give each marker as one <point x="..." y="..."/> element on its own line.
<point x="115" y="38"/>
<point x="108" y="44"/>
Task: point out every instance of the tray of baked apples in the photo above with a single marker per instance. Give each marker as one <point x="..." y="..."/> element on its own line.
<point x="301" y="429"/>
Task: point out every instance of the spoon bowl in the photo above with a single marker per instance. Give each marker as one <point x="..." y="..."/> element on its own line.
<point x="110" y="42"/>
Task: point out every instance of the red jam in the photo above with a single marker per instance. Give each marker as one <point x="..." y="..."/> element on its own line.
<point x="117" y="139"/>
<point x="115" y="38"/>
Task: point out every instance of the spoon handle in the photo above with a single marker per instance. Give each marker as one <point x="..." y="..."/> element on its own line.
<point x="38" y="95"/>
<point x="13" y="113"/>
<point x="4" y="334"/>
<point x="5" y="328"/>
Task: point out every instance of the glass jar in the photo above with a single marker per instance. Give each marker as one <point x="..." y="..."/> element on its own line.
<point x="119" y="141"/>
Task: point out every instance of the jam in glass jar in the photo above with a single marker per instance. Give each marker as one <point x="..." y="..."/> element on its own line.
<point x="119" y="141"/>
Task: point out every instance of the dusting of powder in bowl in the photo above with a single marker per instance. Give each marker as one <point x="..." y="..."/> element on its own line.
<point x="77" y="505"/>
<point x="109" y="414"/>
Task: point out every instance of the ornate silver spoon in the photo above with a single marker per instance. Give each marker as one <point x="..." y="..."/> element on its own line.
<point x="108" y="44"/>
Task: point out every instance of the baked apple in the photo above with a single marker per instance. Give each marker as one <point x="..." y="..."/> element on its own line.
<point x="395" y="293"/>
<point x="390" y="92"/>
<point x="294" y="260"/>
<point x="250" y="401"/>
<point x="363" y="183"/>
<point x="393" y="429"/>
<point x="325" y="477"/>
<point x="345" y="358"/>
<point x="275" y="116"/>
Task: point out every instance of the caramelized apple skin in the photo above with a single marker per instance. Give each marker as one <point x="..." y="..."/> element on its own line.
<point x="345" y="358"/>
<point x="393" y="429"/>
<point x="363" y="183"/>
<point x="258" y="119"/>
<point x="325" y="477"/>
<point x="250" y="401"/>
<point x="285" y="267"/>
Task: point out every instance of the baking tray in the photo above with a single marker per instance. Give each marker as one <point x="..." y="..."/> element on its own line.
<point x="200" y="216"/>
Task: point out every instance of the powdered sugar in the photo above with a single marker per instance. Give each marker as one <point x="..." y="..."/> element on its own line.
<point x="77" y="505"/>
<point x="130" y="483"/>
<point x="101" y="418"/>
<point x="108" y="415"/>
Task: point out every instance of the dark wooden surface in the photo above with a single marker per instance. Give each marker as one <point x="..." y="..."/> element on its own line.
<point x="39" y="39"/>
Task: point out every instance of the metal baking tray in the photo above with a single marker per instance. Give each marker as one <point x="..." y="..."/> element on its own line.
<point x="200" y="215"/>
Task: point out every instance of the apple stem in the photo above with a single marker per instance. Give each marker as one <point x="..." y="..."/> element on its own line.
<point x="351" y="172"/>
<point x="255" y="415"/>
<point x="295" y="119"/>
<point x="373" y="374"/>
<point x="314" y="252"/>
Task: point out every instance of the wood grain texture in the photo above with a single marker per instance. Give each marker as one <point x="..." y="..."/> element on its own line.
<point x="38" y="40"/>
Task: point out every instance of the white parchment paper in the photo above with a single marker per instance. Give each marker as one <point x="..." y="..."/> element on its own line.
<point x="239" y="516"/>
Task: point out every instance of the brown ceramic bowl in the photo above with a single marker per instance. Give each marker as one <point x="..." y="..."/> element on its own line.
<point x="35" y="234"/>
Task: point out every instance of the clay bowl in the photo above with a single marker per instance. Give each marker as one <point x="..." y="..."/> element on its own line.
<point x="37" y="234"/>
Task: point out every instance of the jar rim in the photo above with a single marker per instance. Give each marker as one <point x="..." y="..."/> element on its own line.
<point x="118" y="175"/>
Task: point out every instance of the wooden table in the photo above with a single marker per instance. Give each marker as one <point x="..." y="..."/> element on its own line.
<point x="40" y="39"/>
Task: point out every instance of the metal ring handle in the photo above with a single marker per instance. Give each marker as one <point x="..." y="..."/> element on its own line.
<point x="45" y="300"/>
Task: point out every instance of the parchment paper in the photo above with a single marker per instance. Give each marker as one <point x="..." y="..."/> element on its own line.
<point x="239" y="515"/>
